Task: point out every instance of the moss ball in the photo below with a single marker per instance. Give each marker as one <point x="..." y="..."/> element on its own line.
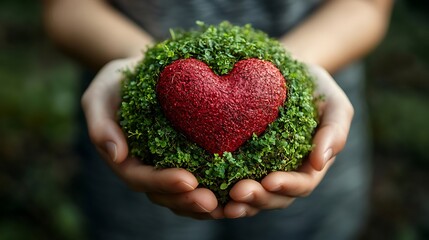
<point x="283" y="145"/>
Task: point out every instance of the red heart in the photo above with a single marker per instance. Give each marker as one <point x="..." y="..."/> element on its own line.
<point x="220" y="113"/>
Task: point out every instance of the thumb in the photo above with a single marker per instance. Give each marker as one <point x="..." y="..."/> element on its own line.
<point x="336" y="114"/>
<point x="100" y="103"/>
<point x="108" y="139"/>
<point x="329" y="140"/>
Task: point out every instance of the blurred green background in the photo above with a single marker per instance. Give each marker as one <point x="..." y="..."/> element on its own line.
<point x="39" y="102"/>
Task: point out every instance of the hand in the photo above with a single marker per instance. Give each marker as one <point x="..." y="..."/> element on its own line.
<point x="279" y="189"/>
<point x="173" y="188"/>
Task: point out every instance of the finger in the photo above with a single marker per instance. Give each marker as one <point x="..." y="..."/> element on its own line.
<point x="108" y="138"/>
<point x="295" y="184"/>
<point x="239" y="210"/>
<point x="103" y="130"/>
<point x="144" y="178"/>
<point x="329" y="140"/>
<point x="255" y="195"/>
<point x="201" y="200"/>
<point x="218" y="213"/>
<point x="100" y="103"/>
<point x="336" y="113"/>
<point x="215" y="214"/>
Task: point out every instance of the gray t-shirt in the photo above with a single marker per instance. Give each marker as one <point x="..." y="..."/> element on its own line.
<point x="274" y="17"/>
<point x="335" y="210"/>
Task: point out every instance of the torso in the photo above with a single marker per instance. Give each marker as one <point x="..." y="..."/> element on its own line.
<point x="274" y="17"/>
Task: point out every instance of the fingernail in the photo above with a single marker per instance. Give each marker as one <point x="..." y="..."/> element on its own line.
<point x="111" y="150"/>
<point x="327" y="155"/>
<point x="248" y="197"/>
<point x="242" y="214"/>
<point x="201" y="208"/>
<point x="186" y="186"/>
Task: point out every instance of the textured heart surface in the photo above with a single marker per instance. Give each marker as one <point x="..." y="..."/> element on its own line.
<point x="220" y="113"/>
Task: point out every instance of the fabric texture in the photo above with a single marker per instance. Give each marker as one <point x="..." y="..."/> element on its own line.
<point x="274" y="17"/>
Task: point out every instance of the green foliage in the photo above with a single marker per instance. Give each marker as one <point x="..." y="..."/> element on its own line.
<point x="281" y="148"/>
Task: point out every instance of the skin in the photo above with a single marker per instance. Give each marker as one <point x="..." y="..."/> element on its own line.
<point x="335" y="35"/>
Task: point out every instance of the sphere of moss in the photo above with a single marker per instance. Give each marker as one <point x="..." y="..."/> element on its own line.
<point x="281" y="147"/>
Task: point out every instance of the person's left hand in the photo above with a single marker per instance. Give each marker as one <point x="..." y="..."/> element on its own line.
<point x="279" y="189"/>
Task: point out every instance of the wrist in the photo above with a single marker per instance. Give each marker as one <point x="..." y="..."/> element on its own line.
<point x="135" y="52"/>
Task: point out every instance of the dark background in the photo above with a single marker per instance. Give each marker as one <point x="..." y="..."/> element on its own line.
<point x="39" y="101"/>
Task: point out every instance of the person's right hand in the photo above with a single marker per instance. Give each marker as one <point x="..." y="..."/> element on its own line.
<point x="173" y="188"/>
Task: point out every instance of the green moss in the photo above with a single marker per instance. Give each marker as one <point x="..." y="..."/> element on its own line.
<point x="283" y="146"/>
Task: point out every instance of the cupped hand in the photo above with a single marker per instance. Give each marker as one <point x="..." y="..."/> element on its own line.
<point x="177" y="189"/>
<point x="279" y="189"/>
<point x="173" y="188"/>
